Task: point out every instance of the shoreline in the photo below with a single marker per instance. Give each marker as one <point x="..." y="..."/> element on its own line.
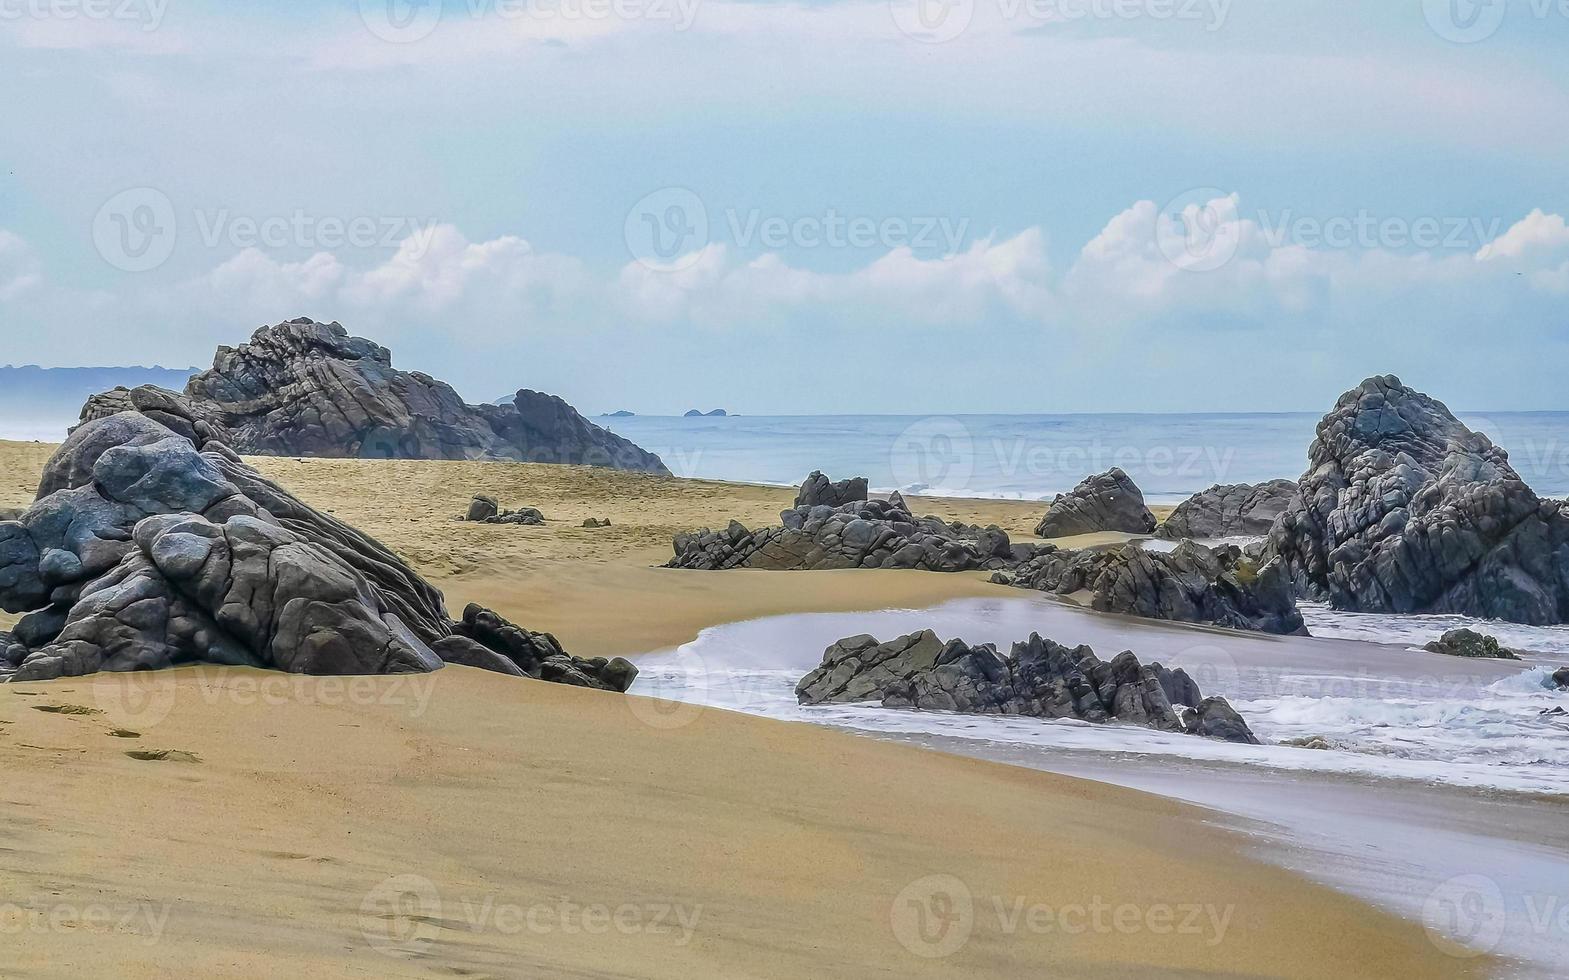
<point x="789" y="813"/>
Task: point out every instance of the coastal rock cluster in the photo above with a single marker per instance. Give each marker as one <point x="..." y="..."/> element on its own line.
<point x="1404" y="509"/>
<point x="1231" y="510"/>
<point x="817" y="490"/>
<point x="486" y="510"/>
<point x="154" y="544"/>
<point x="860" y="534"/>
<point x="1469" y="643"/>
<point x="1191" y="583"/>
<point x="304" y="388"/>
<point x="1038" y="678"/>
<point x="1108" y="501"/>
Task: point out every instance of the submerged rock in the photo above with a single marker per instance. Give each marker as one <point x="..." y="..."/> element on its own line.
<point x="1038" y="678"/>
<point x="1231" y="510"/>
<point x="304" y="388"/>
<point x="818" y="490"/>
<point x="1108" y="501"/>
<point x="1469" y="643"/>
<point x="1191" y="584"/>
<point x="1404" y="509"/>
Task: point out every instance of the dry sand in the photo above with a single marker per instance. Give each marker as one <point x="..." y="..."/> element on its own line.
<point x="531" y="830"/>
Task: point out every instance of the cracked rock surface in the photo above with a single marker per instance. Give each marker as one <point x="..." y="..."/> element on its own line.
<point x="1231" y="510"/>
<point x="152" y="545"/>
<point x="1038" y="678"/>
<point x="304" y="388"/>
<point x="1404" y="509"/>
<point x="1108" y="501"/>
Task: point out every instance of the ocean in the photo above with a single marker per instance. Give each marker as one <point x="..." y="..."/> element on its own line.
<point x="1011" y="457"/>
<point x="1034" y="457"/>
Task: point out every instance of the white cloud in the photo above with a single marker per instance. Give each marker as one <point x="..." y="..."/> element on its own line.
<point x="1536" y="233"/>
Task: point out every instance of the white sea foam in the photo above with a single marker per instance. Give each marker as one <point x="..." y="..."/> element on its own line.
<point x="1385" y="712"/>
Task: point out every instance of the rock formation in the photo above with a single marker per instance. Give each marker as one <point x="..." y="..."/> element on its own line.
<point x="1039" y="679"/>
<point x="1403" y="509"/>
<point x="1108" y="501"/>
<point x="304" y="388"/>
<point x="485" y="510"/>
<point x="1225" y="511"/>
<point x="154" y="544"/>
<point x="817" y="490"/>
<point x="863" y="534"/>
<point x="1469" y="643"/>
<point x="1191" y="584"/>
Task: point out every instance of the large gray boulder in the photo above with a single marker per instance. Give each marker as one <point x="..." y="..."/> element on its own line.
<point x="818" y="490"/>
<point x="1108" y="501"/>
<point x="1191" y="584"/>
<point x="1038" y="679"/>
<point x="1403" y="509"/>
<point x="153" y="545"/>
<point x="304" y="388"/>
<point x="1231" y="510"/>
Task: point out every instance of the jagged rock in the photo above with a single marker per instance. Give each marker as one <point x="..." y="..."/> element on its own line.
<point x="485" y="510"/>
<point x="482" y="508"/>
<point x="819" y="490"/>
<point x="1403" y="509"/>
<point x="1191" y="583"/>
<point x="10" y="513"/>
<point x="154" y="545"/>
<point x="540" y="655"/>
<point x="1469" y="643"/>
<point x="1108" y="501"/>
<point x="1039" y="678"/>
<point x="597" y="522"/>
<point x="304" y="388"/>
<point x="1561" y="678"/>
<point x="1224" y="511"/>
<point x="864" y="534"/>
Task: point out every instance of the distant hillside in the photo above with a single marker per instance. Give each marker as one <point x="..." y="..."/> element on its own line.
<point x="41" y="403"/>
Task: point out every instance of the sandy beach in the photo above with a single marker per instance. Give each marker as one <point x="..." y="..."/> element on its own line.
<point x="464" y="824"/>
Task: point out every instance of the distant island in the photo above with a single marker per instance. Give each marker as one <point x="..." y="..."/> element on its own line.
<point x="623" y="414"/>
<point x="715" y="414"/>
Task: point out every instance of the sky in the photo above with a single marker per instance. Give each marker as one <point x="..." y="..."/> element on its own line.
<point x="899" y="206"/>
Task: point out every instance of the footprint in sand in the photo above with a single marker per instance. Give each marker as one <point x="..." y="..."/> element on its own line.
<point x="164" y="755"/>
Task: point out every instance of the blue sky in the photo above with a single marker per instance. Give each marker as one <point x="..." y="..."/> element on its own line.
<point x="974" y="205"/>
